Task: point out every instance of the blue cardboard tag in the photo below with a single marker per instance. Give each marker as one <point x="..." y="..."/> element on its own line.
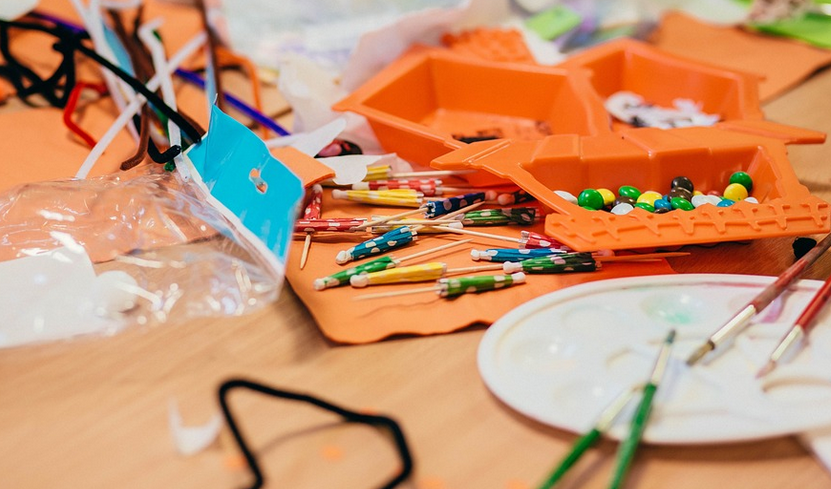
<point x="235" y="167"/>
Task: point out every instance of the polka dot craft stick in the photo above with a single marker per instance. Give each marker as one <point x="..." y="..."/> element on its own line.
<point x="530" y="240"/>
<point x="376" y="265"/>
<point x="515" y="197"/>
<point x="523" y="216"/>
<point x="342" y="277"/>
<point x="334" y="225"/>
<point x="454" y="287"/>
<point x="554" y="264"/>
<point x="513" y="255"/>
<point x="402" y="197"/>
<point x="383" y="219"/>
<point x="380" y="244"/>
<point x="313" y="210"/>
<point x="451" y="204"/>
<point x="428" y="187"/>
<point x="415" y="273"/>
<point x="380" y="172"/>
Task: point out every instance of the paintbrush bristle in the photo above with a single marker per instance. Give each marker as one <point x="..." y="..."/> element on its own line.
<point x="768" y="368"/>
<point x="699" y="353"/>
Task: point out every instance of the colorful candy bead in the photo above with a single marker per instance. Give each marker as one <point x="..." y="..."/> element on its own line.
<point x="681" y="203"/>
<point x="629" y="191"/>
<point x="591" y="199"/>
<point x="726" y="203"/>
<point x="735" y="191"/>
<point x="649" y="197"/>
<point x="645" y="206"/>
<point x="608" y="196"/>
<point x="622" y="209"/>
<point x="743" y="179"/>
<point x="682" y="182"/>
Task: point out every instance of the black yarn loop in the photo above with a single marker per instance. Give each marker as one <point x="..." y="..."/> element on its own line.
<point x="348" y="415"/>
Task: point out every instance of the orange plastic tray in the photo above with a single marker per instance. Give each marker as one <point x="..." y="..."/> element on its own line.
<point x="421" y="104"/>
<point x="649" y="159"/>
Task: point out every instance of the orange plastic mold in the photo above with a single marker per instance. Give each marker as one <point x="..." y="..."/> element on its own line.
<point x="553" y="133"/>
<point x="660" y="78"/>
<point x="429" y="101"/>
<point x="649" y="159"/>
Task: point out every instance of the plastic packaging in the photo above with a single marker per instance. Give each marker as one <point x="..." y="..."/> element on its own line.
<point x="94" y="256"/>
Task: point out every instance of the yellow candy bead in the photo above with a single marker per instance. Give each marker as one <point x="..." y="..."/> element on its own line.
<point x="735" y="192"/>
<point x="697" y="192"/>
<point x="649" y="197"/>
<point x="608" y="196"/>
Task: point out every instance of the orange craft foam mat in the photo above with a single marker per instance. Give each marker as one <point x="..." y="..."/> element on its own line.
<point x="344" y="320"/>
<point x="782" y="63"/>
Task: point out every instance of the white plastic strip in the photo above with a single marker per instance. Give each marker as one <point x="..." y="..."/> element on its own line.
<point x="187" y="50"/>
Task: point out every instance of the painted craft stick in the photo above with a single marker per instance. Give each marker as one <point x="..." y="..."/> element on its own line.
<point x="531" y="240"/>
<point x="396" y="197"/>
<point x="454" y="287"/>
<point x="428" y="187"/>
<point x="516" y="197"/>
<point x="311" y="214"/>
<point x="582" y="262"/>
<point x="452" y="204"/>
<point x="514" y="255"/>
<point x="313" y="209"/>
<point x="426" y="272"/>
<point x="423" y="226"/>
<point x="337" y="225"/>
<point x="381" y="263"/>
<point x="380" y="244"/>
<point x="524" y="216"/>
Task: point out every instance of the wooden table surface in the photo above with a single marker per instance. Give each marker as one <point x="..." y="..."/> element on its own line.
<point x="93" y="413"/>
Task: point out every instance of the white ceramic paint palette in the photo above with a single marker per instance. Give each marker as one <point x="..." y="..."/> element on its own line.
<point x="563" y="357"/>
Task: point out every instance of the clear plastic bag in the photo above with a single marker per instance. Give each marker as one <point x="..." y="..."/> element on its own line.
<point x="142" y="247"/>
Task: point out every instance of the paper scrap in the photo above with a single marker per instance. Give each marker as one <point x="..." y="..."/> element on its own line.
<point x="190" y="440"/>
<point x="57" y="295"/>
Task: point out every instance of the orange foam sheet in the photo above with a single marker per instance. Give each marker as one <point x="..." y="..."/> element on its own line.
<point x="345" y="320"/>
<point x="783" y="63"/>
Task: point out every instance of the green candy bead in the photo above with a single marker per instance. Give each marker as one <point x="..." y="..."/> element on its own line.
<point x="629" y="191"/>
<point x="743" y="179"/>
<point x="645" y="206"/>
<point x="590" y="198"/>
<point x="681" y="203"/>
